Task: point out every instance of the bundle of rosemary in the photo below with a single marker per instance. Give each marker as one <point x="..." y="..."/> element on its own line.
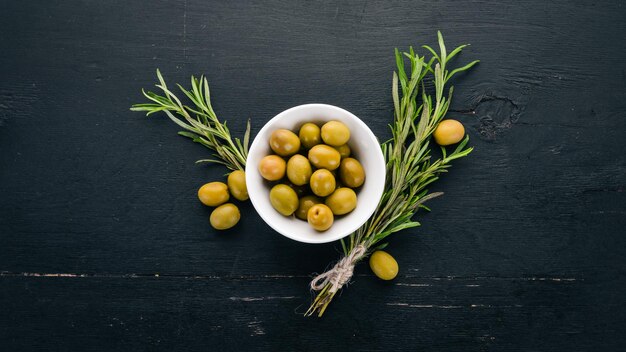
<point x="410" y="165"/>
<point x="410" y="168"/>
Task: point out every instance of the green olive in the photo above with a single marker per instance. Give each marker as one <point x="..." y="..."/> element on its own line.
<point x="322" y="182"/>
<point x="225" y="216"/>
<point x="320" y="217"/>
<point x="284" y="199"/>
<point x="306" y="203"/>
<point x="351" y="173"/>
<point x="213" y="194"/>
<point x="344" y="151"/>
<point x="324" y="157"/>
<point x="310" y="135"/>
<point x="342" y="201"/>
<point x="272" y="167"/>
<point x="237" y="185"/>
<point x="449" y="132"/>
<point x="299" y="170"/>
<point x="383" y="265"/>
<point x="335" y="133"/>
<point x="284" y="142"/>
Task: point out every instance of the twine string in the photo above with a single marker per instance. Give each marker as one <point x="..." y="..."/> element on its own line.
<point x="341" y="273"/>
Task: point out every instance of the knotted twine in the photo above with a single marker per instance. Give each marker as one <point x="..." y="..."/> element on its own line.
<point x="341" y="273"/>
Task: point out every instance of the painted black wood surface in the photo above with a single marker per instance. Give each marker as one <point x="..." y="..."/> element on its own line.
<point x="104" y="246"/>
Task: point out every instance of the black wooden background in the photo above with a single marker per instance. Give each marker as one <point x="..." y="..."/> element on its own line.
<point x="104" y="246"/>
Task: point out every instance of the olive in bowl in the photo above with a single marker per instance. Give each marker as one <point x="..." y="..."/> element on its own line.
<point x="363" y="146"/>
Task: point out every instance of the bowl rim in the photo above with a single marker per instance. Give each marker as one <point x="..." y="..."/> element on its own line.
<point x="379" y="160"/>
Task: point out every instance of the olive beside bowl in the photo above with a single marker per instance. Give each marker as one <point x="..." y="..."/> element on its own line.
<point x="365" y="147"/>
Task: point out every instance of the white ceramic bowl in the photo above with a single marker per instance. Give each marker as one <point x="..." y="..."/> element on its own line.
<point x="365" y="147"/>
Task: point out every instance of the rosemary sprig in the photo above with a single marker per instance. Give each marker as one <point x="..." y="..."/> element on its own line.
<point x="200" y="123"/>
<point x="410" y="169"/>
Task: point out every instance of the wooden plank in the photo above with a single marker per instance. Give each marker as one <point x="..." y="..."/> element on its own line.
<point x="262" y="313"/>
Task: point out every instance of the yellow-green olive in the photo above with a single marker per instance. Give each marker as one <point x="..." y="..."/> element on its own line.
<point x="306" y="203"/>
<point x="237" y="185"/>
<point x="213" y="194"/>
<point x="449" y="132"/>
<point x="342" y="201"/>
<point x="299" y="170"/>
<point x="225" y="216"/>
<point x="310" y="135"/>
<point x="383" y="265"/>
<point x="351" y="173"/>
<point x="335" y="133"/>
<point x="324" y="157"/>
<point x="320" y="217"/>
<point x="272" y="167"/>
<point x="322" y="182"/>
<point x="344" y="151"/>
<point x="284" y="142"/>
<point x="284" y="199"/>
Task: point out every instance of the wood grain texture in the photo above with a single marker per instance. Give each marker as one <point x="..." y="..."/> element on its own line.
<point x="103" y="245"/>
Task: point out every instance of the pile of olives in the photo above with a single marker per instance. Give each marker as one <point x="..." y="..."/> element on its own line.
<point x="216" y="194"/>
<point x="312" y="173"/>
